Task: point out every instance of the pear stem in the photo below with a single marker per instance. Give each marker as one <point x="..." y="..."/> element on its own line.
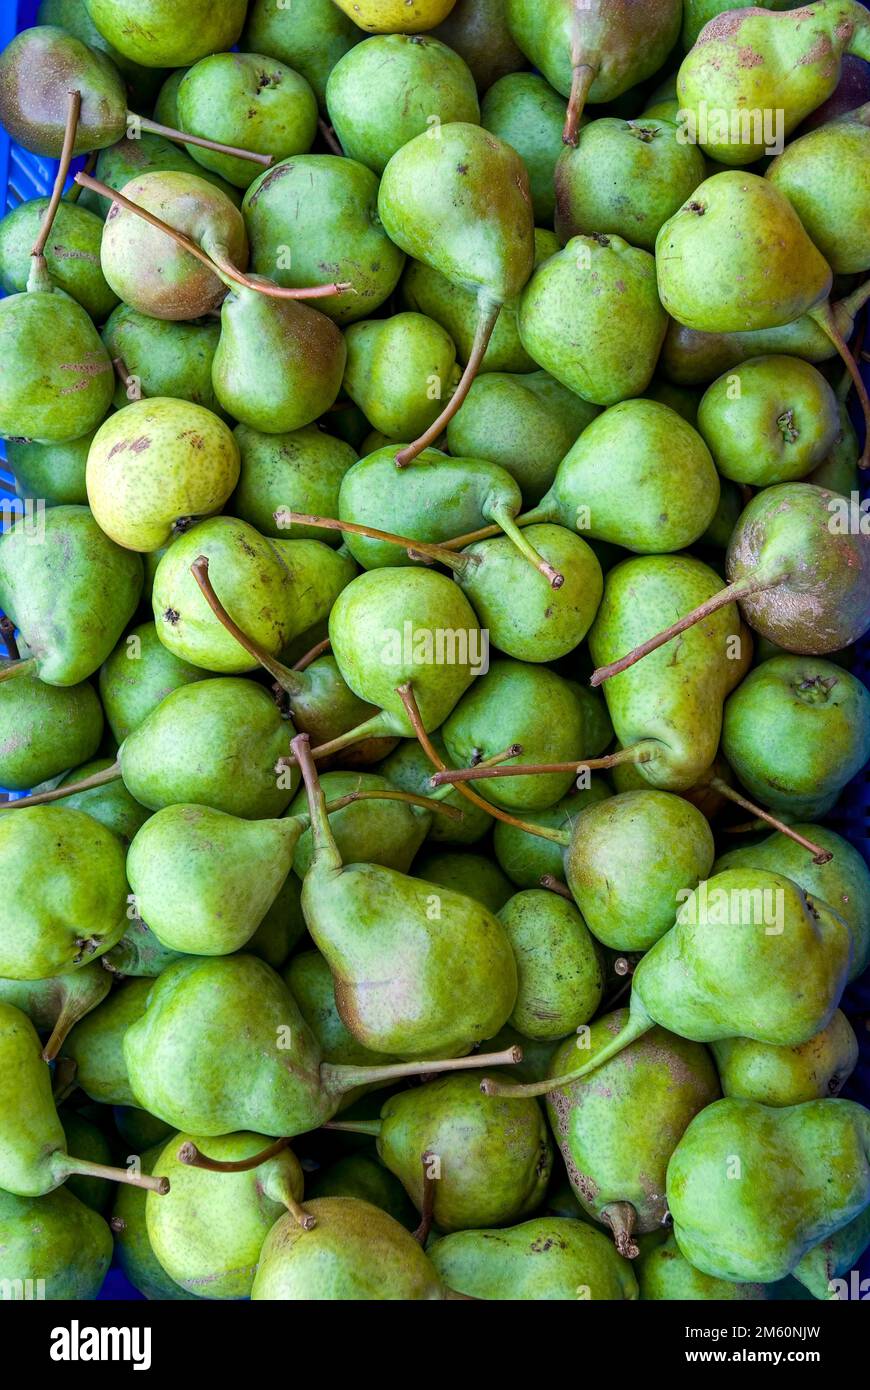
<point x="731" y="594"/>
<point x="282" y="674"/>
<point x="305" y="661"/>
<point x="330" y="139"/>
<point x="223" y="269"/>
<point x="339" y="1079"/>
<point x="825" y="317"/>
<point x="555" y="885"/>
<point x="97" y="779"/>
<point x="7" y="632"/>
<point x="374" y="727"/>
<point x="634" y="1029"/>
<point x="69" y="139"/>
<point x="67" y="1018"/>
<point x="620" y="1217"/>
<point x="182" y="138"/>
<point x="195" y="1158"/>
<point x="484" y="533"/>
<point x="820" y="856"/>
<point x="427" y="1206"/>
<point x="431" y="551"/>
<point x="581" y="80"/>
<point x="87" y="168"/>
<point x="370" y="1127"/>
<point x="326" y="854"/>
<point x="487" y="314"/>
<point x="635" y="754"/>
<point x="68" y="1165"/>
<point x="426" y="802"/>
<point x="409" y="700"/>
<point x="20" y="668"/>
<point x="511" y="529"/>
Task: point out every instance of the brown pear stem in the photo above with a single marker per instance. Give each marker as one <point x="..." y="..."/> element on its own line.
<point x="409" y="700"/>
<point x="555" y="885"/>
<point x="330" y="139"/>
<point x="220" y="267"/>
<point x="621" y="1217"/>
<point x="484" y="533"/>
<point x="302" y="1217"/>
<point x="339" y="1079"/>
<point x="428" y="803"/>
<point x="68" y="1165"/>
<point x="21" y="668"/>
<point x="430" y="550"/>
<point x="826" y="318"/>
<point x="581" y="80"/>
<point x="369" y="728"/>
<point x="487" y="314"/>
<point x="88" y="167"/>
<point x="820" y="856"/>
<point x="96" y="779"/>
<point x="181" y="137"/>
<point x="731" y="594"/>
<point x="69" y="139"/>
<point x="427" y="1206"/>
<point x="635" y="754"/>
<point x="67" y="1018"/>
<point x="226" y="268"/>
<point x="7" y="632"/>
<point x="195" y="1158"/>
<point x="305" y="661"/>
<point x="282" y="674"/>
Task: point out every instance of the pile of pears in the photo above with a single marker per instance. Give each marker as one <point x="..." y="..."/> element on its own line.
<point x="432" y="694"/>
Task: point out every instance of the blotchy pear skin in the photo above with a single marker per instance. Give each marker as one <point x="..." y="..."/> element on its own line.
<point x="551" y="1257"/>
<point x="804" y="1172"/>
<point x="159" y="35"/>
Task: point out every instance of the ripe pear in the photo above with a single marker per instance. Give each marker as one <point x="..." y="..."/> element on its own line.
<point x="366" y="832"/>
<point x="664" y="1273"/>
<point x="835" y="212"/>
<point x="133" y="1249"/>
<point x="398" y="370"/>
<point x="96" y="1044"/>
<point x="137" y="676"/>
<point x="526" y="857"/>
<point x="163" y="357"/>
<point x="72" y="254"/>
<point x="296" y="472"/>
<point x="549" y="1257"/>
<point x="788" y="1075"/>
<point x="158" y="37"/>
<point x="54" y="1243"/>
<point x="559" y="966"/>
<point x="309" y="38"/>
<point x="396" y="16"/>
<point x="524" y="110"/>
<point x="472" y="874"/>
<point x="45" y="728"/>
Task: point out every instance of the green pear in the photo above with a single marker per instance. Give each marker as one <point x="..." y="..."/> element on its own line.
<point x="697" y="13"/>
<point x="426" y="291"/>
<point x="526" y="857"/>
<point x="769" y="421"/>
<point x="71" y="594"/>
<point x="523" y="110"/>
<point x="162" y="357"/>
<point x="46" y="728"/>
<point x="357" y="1175"/>
<point x="137" y="676"/>
<point x="366" y="832"/>
<point x="525" y="423"/>
<point x="664" y="1273"/>
<point x="398" y="371"/>
<point x="656" y="1087"/>
<point x="139" y="953"/>
<point x="296" y="472"/>
<point x="560" y="317"/>
<point x="52" y="473"/>
<point x="490" y="1164"/>
<point x="72" y="254"/>
<point x="796" y="731"/>
<point x="207" y="1236"/>
<point x="203" y="880"/>
<point x="547" y="1258"/>
<point x="821" y="1268"/>
<point x="389" y="16"/>
<point x="148" y="154"/>
<point x="309" y="979"/>
<point x="561" y="980"/>
<point x="356" y="1251"/>
<point x="478" y="31"/>
<point x="730" y="218"/>
<point x="75" y="906"/>
<point x="409" y="769"/>
<point x="504" y="707"/>
<point x="843" y="882"/>
<point x="632" y="860"/>
<point x="251" y="580"/>
<point x="475" y="875"/>
<point x="310" y="38"/>
<point x="354" y="914"/>
<point x="52" y="1243"/>
<point x="804" y="1174"/>
<point x="838" y="472"/>
<point x="54" y="1005"/>
<point x="155" y="467"/>
<point x="151" y="271"/>
<point x="33" y="1157"/>
<point x="89" y="1142"/>
<point x="279" y="362"/>
<point x="625" y="178"/>
<point x="37" y="69"/>
<point x="673" y="709"/>
<point x="133" y="1249"/>
<point x="607" y="486"/>
<point x="385" y="91"/>
<point x="595" y="49"/>
<point x="143" y="83"/>
<point x="158" y="37"/>
<point x="314" y="202"/>
<point x="247" y="100"/>
<point x="834" y="212"/>
<point x="753" y="62"/>
<point x="788" y="1075"/>
<point x="96" y="1044"/>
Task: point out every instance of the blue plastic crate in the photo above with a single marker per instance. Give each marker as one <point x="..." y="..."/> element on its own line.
<point x="24" y="175"/>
